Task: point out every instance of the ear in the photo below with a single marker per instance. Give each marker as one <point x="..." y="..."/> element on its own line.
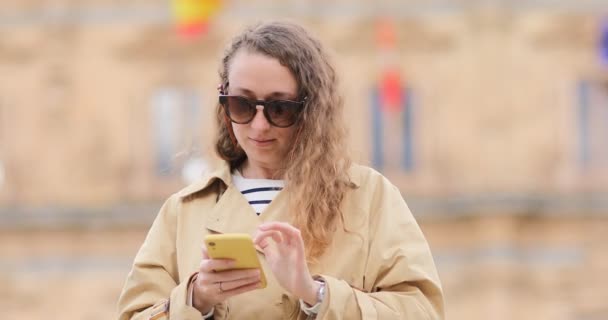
<point x="222" y="88"/>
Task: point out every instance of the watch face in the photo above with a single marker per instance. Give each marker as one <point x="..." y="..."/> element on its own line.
<point x="321" y="292"/>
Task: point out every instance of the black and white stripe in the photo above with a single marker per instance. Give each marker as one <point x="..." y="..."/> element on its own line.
<point x="259" y="192"/>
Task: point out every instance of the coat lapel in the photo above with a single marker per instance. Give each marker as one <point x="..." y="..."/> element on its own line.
<point x="232" y="214"/>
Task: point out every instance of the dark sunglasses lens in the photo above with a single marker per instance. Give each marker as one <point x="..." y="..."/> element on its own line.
<point x="283" y="113"/>
<point x="239" y="109"/>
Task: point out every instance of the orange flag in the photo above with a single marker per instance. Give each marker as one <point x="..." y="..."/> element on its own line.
<point x="391" y="93"/>
<point x="192" y="16"/>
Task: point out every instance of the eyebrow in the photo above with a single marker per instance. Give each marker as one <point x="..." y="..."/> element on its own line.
<point x="275" y="95"/>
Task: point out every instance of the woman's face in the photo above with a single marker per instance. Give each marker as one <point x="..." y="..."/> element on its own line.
<point x="257" y="76"/>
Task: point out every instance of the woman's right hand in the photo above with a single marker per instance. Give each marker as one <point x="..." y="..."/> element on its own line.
<point x="212" y="287"/>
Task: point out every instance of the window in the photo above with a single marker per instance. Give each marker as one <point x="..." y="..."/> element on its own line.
<point x="392" y="131"/>
<point x="176" y="117"/>
<point x="592" y="125"/>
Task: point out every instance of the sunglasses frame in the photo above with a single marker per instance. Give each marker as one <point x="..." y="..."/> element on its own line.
<point x="223" y="98"/>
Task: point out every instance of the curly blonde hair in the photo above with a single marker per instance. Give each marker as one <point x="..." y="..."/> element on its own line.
<point x="316" y="167"/>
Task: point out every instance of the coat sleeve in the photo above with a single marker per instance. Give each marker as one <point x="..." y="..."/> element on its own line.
<point x="153" y="282"/>
<point x="401" y="280"/>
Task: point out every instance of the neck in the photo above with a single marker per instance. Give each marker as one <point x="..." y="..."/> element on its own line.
<point x="258" y="171"/>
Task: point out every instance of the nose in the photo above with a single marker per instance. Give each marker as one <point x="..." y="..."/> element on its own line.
<point x="259" y="121"/>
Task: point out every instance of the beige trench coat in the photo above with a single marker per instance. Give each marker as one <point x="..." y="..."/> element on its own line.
<point x="379" y="268"/>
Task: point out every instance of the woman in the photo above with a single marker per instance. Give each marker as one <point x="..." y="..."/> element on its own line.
<point x="336" y="240"/>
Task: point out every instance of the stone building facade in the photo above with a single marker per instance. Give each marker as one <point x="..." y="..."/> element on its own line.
<point x="102" y="103"/>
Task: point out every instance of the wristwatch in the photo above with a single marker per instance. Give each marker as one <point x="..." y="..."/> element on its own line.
<point x="314" y="309"/>
<point x="321" y="292"/>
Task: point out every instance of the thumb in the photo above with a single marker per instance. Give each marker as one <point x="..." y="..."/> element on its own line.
<point x="204" y="252"/>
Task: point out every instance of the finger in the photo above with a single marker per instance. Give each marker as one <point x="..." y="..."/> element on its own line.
<point x="243" y="289"/>
<point x="261" y="239"/>
<point x="231" y="285"/>
<point x="204" y="251"/>
<point x="273" y="225"/>
<point x="230" y="275"/>
<point x="291" y="233"/>
<point x="283" y="227"/>
<point x="214" y="265"/>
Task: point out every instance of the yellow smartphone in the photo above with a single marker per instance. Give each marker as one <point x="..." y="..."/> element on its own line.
<point x="236" y="246"/>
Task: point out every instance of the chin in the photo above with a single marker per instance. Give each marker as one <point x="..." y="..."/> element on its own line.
<point x="264" y="159"/>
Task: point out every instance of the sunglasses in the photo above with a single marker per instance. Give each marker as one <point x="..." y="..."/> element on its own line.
<point x="279" y="113"/>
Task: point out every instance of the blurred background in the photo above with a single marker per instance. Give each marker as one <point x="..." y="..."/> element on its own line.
<point x="491" y="116"/>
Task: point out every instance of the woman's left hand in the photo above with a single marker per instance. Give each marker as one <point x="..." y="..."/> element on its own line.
<point x="284" y="250"/>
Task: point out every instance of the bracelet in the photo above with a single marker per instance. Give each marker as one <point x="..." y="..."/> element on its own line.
<point x="191" y="290"/>
<point x="209" y="315"/>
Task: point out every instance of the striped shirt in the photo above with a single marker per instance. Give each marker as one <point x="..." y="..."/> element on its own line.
<point x="259" y="192"/>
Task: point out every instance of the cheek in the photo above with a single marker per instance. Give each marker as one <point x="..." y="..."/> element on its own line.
<point x="237" y="130"/>
<point x="288" y="134"/>
<point x="239" y="133"/>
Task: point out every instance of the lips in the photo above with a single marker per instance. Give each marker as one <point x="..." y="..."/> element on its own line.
<point x="262" y="141"/>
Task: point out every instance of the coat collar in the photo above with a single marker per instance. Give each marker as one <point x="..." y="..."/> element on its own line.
<point x="222" y="172"/>
<point x="229" y="215"/>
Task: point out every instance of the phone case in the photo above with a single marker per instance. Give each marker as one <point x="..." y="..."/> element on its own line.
<point x="237" y="246"/>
